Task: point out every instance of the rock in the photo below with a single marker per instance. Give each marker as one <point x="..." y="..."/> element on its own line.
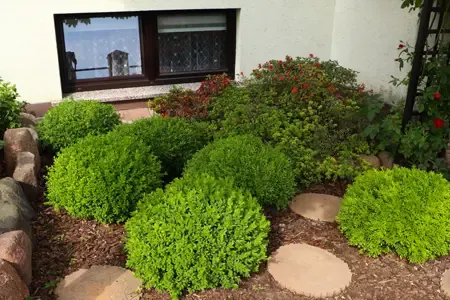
<point x="28" y="120"/>
<point x="318" y="207"/>
<point x="11" y="286"/>
<point x="26" y="176"/>
<point x="19" y="140"/>
<point x="100" y="283"/>
<point x="15" y="248"/>
<point x="11" y="191"/>
<point x="11" y="219"/>
<point x="372" y="159"/>
<point x="309" y="270"/>
<point x="386" y="160"/>
<point x="34" y="134"/>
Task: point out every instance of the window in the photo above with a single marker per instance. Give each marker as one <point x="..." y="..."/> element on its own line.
<point x="101" y="51"/>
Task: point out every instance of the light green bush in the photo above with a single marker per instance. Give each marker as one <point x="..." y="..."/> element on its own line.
<point x="199" y="233"/>
<point x="10" y="108"/>
<point x="66" y="123"/>
<point x="401" y="210"/>
<point x="102" y="177"/>
<point x="261" y="169"/>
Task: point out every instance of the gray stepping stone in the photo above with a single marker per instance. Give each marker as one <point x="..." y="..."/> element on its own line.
<point x="309" y="270"/>
<point x="319" y="207"/>
<point x="100" y="283"/>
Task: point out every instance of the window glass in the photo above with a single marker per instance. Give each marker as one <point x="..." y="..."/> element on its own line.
<point x="102" y="47"/>
<point x="191" y="42"/>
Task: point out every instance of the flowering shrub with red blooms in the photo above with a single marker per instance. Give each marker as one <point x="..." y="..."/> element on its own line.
<point x="426" y="136"/>
<point x="306" y="108"/>
<point x="191" y="104"/>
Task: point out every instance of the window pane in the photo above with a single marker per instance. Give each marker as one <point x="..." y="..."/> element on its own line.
<point x="191" y="42"/>
<point x="102" y="47"/>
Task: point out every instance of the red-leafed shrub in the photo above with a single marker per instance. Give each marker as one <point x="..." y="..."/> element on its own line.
<point x="191" y="104"/>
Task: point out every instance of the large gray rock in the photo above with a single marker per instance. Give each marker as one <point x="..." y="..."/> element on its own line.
<point x="11" y="219"/>
<point x="11" y="191"/>
<point x="28" y="120"/>
<point x="15" y="248"/>
<point x="25" y="175"/>
<point x="386" y="160"/>
<point x="19" y="140"/>
<point x="11" y="286"/>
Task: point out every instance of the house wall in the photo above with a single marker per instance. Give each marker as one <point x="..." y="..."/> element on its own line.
<point x="266" y="29"/>
<point x="362" y="35"/>
<point x="366" y="35"/>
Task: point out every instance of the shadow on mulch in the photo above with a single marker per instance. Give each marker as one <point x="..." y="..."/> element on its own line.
<point x="65" y="244"/>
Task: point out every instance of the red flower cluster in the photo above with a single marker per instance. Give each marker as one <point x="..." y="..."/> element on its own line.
<point x="437" y="96"/>
<point x="438" y="123"/>
<point x="191" y="104"/>
<point x="295" y="90"/>
<point x="401" y="46"/>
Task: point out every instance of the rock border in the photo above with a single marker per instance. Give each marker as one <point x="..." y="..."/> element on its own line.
<point x="16" y="193"/>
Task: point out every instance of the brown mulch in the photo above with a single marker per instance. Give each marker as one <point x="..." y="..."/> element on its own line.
<point x="65" y="244"/>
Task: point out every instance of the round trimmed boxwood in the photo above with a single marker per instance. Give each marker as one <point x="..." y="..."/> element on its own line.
<point x="199" y="233"/>
<point x="401" y="210"/>
<point x="173" y="140"/>
<point x="102" y="177"/>
<point x="259" y="168"/>
<point x="71" y="120"/>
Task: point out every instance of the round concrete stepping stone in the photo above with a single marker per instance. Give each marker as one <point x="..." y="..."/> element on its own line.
<point x="445" y="283"/>
<point x="318" y="207"/>
<point x="309" y="270"/>
<point x="100" y="283"/>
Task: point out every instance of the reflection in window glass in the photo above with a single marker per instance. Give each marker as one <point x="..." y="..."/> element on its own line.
<point x="102" y="47"/>
<point x="191" y="42"/>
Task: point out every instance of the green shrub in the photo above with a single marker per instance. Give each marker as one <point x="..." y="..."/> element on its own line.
<point x="69" y="121"/>
<point x="321" y="137"/>
<point x="264" y="171"/>
<point x="401" y="210"/>
<point x="102" y="177"/>
<point x="10" y="108"/>
<point x="199" y="233"/>
<point x="173" y="140"/>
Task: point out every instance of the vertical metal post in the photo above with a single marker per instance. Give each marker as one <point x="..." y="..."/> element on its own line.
<point x="416" y="69"/>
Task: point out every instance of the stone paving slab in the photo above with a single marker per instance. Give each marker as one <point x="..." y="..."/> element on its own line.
<point x="319" y="207"/>
<point x="309" y="270"/>
<point x="100" y="283"/>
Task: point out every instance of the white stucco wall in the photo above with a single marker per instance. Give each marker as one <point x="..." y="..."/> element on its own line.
<point x="266" y="29"/>
<point x="366" y="35"/>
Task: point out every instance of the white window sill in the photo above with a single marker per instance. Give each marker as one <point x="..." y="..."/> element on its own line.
<point x="129" y="94"/>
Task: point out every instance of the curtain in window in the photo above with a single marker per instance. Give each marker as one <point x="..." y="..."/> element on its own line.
<point x="191" y="42"/>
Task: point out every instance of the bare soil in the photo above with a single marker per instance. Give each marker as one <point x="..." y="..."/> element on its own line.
<point x="65" y="244"/>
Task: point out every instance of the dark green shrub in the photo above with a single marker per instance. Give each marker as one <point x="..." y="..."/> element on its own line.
<point x="69" y="121"/>
<point x="102" y="177"/>
<point x="264" y="171"/>
<point x="401" y="210"/>
<point x="199" y="233"/>
<point x="10" y="108"/>
<point x="173" y="140"/>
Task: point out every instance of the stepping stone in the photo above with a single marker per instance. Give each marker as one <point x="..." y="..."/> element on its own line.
<point x="319" y="207"/>
<point x="309" y="270"/>
<point x="100" y="283"/>
<point x="445" y="283"/>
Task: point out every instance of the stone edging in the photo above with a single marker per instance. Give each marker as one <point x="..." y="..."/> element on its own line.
<point x="16" y="193"/>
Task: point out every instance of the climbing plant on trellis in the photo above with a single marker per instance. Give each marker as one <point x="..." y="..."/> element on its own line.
<point x="426" y="114"/>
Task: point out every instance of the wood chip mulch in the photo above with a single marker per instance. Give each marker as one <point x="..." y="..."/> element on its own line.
<point x="65" y="244"/>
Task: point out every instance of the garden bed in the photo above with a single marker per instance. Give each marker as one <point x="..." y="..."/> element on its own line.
<point x="66" y="244"/>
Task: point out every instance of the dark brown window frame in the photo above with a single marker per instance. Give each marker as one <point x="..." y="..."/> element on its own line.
<point x="149" y="53"/>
